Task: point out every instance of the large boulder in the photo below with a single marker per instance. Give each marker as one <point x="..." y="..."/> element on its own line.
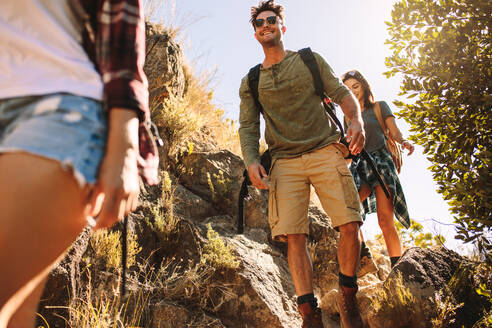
<point x="426" y="285"/>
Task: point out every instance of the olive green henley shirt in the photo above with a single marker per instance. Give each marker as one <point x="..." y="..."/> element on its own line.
<point x="295" y="119"/>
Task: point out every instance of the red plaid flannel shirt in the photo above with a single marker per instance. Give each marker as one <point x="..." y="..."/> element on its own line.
<point x="114" y="39"/>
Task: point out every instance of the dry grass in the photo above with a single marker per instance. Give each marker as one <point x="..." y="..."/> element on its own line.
<point x="394" y="301"/>
<point x="193" y="284"/>
<point x="164" y="13"/>
<point x="105" y="310"/>
<point x="107" y="246"/>
<point x="194" y="116"/>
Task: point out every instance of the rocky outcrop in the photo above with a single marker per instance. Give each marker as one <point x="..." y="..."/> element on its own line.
<point x="163" y="64"/>
<point x="213" y="176"/>
<point x="427" y="285"/>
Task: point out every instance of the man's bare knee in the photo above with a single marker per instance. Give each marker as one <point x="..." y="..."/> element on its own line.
<point x="351" y="228"/>
<point x="296" y="240"/>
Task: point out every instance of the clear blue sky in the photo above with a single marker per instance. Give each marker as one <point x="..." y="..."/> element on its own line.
<point x="349" y="34"/>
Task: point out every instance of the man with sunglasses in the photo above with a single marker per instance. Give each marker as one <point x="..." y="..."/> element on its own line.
<point x="306" y="151"/>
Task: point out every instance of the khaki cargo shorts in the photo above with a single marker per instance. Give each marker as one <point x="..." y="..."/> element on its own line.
<point x="290" y="180"/>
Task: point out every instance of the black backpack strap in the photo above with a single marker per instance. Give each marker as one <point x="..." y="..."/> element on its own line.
<point x="309" y="60"/>
<point x="253" y="81"/>
<point x="307" y="57"/>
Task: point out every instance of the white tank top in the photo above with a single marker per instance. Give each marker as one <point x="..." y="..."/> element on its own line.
<point x="41" y="51"/>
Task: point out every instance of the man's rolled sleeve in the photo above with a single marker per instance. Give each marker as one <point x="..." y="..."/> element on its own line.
<point x="249" y="125"/>
<point x="334" y="87"/>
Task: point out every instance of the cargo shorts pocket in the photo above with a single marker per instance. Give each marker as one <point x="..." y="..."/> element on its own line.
<point x="350" y="194"/>
<point x="273" y="217"/>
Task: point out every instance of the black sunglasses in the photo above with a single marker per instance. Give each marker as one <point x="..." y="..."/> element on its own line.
<point x="271" y="20"/>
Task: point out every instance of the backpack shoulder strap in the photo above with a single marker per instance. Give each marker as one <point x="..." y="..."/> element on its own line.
<point x="307" y="57"/>
<point x="253" y="81"/>
<point x="309" y="60"/>
<point x="377" y="111"/>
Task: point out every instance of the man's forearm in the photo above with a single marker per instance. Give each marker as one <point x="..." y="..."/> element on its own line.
<point x="350" y="107"/>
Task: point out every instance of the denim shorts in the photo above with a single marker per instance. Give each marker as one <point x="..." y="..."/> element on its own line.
<point x="63" y="127"/>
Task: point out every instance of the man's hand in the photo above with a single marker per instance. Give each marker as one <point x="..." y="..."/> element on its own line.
<point x="356" y="136"/>
<point x="257" y="175"/>
<point x="117" y="188"/>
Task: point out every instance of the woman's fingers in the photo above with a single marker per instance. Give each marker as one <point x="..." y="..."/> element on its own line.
<point x="408" y="146"/>
<point x="116" y="204"/>
<point x="113" y="209"/>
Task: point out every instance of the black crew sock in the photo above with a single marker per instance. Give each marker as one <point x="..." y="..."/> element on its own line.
<point x="308" y="298"/>
<point x="364" y="250"/>
<point x="347" y="281"/>
<point x="394" y="259"/>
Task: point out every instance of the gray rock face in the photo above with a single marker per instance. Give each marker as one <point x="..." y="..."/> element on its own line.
<point x="163" y="64"/>
<point x="168" y="315"/>
<point x="426" y="271"/>
<point x="215" y="177"/>
<point x="189" y="205"/>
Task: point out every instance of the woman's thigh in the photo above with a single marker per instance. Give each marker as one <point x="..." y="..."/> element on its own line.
<point x="42" y="212"/>
<point x="384" y="206"/>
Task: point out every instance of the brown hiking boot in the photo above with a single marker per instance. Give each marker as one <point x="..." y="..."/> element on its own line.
<point x="367" y="265"/>
<point x="347" y="307"/>
<point x="310" y="318"/>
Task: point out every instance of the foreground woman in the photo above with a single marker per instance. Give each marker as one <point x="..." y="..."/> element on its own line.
<point x="73" y="126"/>
<point x="370" y="192"/>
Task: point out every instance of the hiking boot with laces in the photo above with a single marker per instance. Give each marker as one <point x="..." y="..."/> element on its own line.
<point x="367" y="265"/>
<point x="310" y="318"/>
<point x="347" y="307"/>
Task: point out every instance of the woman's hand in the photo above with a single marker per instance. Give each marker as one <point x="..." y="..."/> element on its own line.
<point x="407" y="145"/>
<point x="117" y="188"/>
<point x="396" y="134"/>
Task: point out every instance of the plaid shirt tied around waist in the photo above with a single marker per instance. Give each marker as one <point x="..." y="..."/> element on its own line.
<point x="113" y="36"/>
<point x="363" y="174"/>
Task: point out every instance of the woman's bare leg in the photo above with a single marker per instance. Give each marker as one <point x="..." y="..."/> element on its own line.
<point x="386" y="223"/>
<point x="42" y="214"/>
<point x="364" y="192"/>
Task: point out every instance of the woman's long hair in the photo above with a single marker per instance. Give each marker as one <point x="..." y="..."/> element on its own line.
<point x="355" y="74"/>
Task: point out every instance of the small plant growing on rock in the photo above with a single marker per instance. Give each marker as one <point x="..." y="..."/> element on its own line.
<point x="107" y="245"/>
<point x="217" y="253"/>
<point x="395" y="305"/>
<point x="219" y="186"/>
<point x="163" y="220"/>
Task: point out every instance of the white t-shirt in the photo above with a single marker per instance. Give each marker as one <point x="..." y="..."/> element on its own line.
<point x="41" y="51"/>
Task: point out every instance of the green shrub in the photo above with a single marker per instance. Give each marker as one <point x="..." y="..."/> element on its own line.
<point x="216" y="253"/>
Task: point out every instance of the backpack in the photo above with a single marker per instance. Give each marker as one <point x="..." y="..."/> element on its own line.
<point x="309" y="60"/>
<point x="393" y="147"/>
